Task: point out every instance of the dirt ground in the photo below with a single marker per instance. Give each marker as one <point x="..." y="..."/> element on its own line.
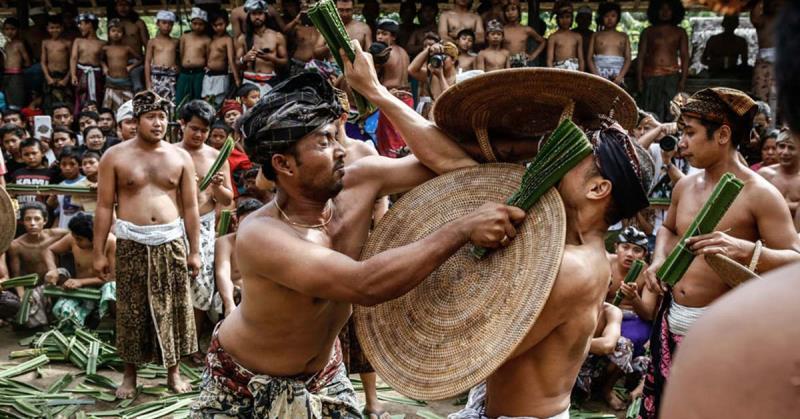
<point x="396" y="404"/>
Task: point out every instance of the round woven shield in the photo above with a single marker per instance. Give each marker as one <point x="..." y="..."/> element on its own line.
<point x="8" y="221"/>
<point x="463" y="321"/>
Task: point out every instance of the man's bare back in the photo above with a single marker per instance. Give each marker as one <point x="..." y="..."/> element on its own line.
<point x="359" y="31"/>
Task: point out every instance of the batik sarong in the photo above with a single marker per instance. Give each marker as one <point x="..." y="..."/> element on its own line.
<point x="609" y="66"/>
<point x="355" y="360"/>
<point x="203" y="285"/>
<point x="568" y="64"/>
<point x="90" y="86"/>
<point x="476" y="407"/>
<point x="14" y="87"/>
<point x="118" y="91"/>
<point x="390" y="142"/>
<point x="231" y="390"/>
<point x="262" y="80"/>
<point x="57" y="94"/>
<point x="163" y="80"/>
<point x="155" y="320"/>
<point x="657" y="93"/>
<point x="189" y="85"/>
<point x="215" y="86"/>
<point x="596" y="366"/>
<point x="635" y="329"/>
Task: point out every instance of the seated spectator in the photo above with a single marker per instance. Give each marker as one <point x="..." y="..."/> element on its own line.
<point x="70" y="166"/>
<point x="62" y="115"/>
<point x="726" y="53"/>
<point x="79" y="244"/>
<point x="769" y="150"/>
<point x="89" y="162"/>
<point x="94" y="140"/>
<point x="36" y="170"/>
<point x="106" y="122"/>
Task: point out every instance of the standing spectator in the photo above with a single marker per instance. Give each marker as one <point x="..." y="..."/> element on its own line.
<point x="460" y="17"/>
<point x="136" y="37"/>
<point x="494" y="57"/>
<point x="160" y="62"/>
<point x="764" y="17"/>
<point x="564" y="47"/>
<point x="86" y="62"/>
<point x="221" y="65"/>
<point x="16" y="61"/>
<point x="260" y="50"/>
<point x="724" y="51"/>
<point x="394" y="74"/>
<point x="62" y="138"/>
<point x="119" y="60"/>
<point x="55" y="64"/>
<point x="193" y="50"/>
<point x="517" y="37"/>
<point x="609" y="53"/>
<point x="360" y="31"/>
<point x="769" y="151"/>
<point x="583" y="20"/>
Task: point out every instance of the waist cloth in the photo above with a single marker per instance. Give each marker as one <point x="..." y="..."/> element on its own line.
<point x="155" y="319"/>
<point x="476" y="407"/>
<point x="262" y="80"/>
<point x="203" y="286"/>
<point x="681" y="318"/>
<point x="215" y="83"/>
<point x="568" y="64"/>
<point x="90" y="75"/>
<point x="163" y="80"/>
<point x="231" y="390"/>
<point x="609" y="66"/>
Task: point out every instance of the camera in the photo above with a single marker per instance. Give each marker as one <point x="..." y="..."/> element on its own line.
<point x="668" y="143"/>
<point x="436" y="60"/>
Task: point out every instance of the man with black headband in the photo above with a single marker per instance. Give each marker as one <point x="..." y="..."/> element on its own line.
<point x="537" y="379"/>
<point x="154" y="187"/>
<point x="276" y="355"/>
<point x="757" y="231"/>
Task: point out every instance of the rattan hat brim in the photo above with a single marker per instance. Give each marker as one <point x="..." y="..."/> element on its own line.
<point x="463" y="321"/>
<point x="8" y="221"/>
<point x="524" y="103"/>
<point x="730" y="271"/>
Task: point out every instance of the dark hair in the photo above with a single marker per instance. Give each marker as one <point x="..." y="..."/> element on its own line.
<point x="31" y="142"/>
<point x="612" y="214"/>
<point x="59" y="105"/>
<point x="245" y="89"/>
<point x="101" y="111"/>
<point x="132" y="15"/>
<point x="12" y="21"/>
<point x="389" y="26"/>
<point x="64" y="130"/>
<point x="678" y="11"/>
<point x="55" y="20"/>
<point x="90" y="114"/>
<point x="251" y="173"/>
<point x="197" y="108"/>
<point x="219" y="14"/>
<point x="69" y="152"/>
<point x="88" y="103"/>
<point x="35" y="205"/>
<point x="82" y="225"/>
<point x="608" y="7"/>
<point x="90" y="154"/>
<point x="433" y="36"/>
<point x="247" y="206"/>
<point x="468" y="32"/>
<point x="11" y="110"/>
<point x="11" y="129"/>
<point x="740" y="132"/>
<point x="221" y="125"/>
<point x="91" y="127"/>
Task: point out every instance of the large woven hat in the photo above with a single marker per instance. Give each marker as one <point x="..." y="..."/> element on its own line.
<point x="731" y="272"/>
<point x="525" y="103"/>
<point x="463" y="321"/>
<point x="8" y="220"/>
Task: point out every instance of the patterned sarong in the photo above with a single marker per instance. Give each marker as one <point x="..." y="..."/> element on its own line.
<point x="155" y="320"/>
<point x="596" y="366"/>
<point x="118" y="91"/>
<point x="203" y="286"/>
<point x="230" y="390"/>
<point x="609" y="66"/>
<point x="476" y="407"/>
<point x="568" y="64"/>
<point x="90" y="86"/>
<point x="657" y="93"/>
<point x="163" y="80"/>
<point x="78" y="310"/>
<point x="189" y="85"/>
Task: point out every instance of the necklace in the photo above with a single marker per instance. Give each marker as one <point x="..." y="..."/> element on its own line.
<point x="320" y="225"/>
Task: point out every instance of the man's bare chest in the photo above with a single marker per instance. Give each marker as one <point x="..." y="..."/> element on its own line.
<point x="158" y="173"/>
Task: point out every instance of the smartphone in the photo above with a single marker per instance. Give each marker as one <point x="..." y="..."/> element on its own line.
<point x="42" y="127"/>
<point x="266" y="50"/>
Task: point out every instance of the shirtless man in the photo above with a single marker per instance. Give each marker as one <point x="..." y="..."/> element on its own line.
<point x="284" y="331"/>
<point x="16" y="60"/>
<point x="564" y="47"/>
<point x="260" y="50"/>
<point x="394" y="74"/>
<point x="308" y="43"/>
<point x="724" y="51"/>
<point x="359" y="31"/>
<point x="538" y="378"/>
<point x="716" y="121"/>
<point x="85" y="64"/>
<point x="516" y="36"/>
<point x="427" y="23"/>
<point x="55" y="63"/>
<point x="226" y="265"/>
<point x="764" y="17"/>
<point x="609" y="50"/>
<point x="153" y="184"/>
<point x="460" y="17"/>
<point x="136" y="37"/>
<point x="119" y="60"/>
<point x="663" y="62"/>
<point x="221" y="65"/>
<point x="193" y="48"/>
<point x="79" y="244"/>
<point x="160" y="60"/>
<point x="196" y="118"/>
<point x="239" y="18"/>
<point x="494" y="57"/>
<point x="785" y="175"/>
<point x="467" y="58"/>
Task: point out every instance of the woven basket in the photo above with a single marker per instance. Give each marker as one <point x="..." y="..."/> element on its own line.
<point x="461" y="323"/>
<point x="8" y="221"/>
<point x="730" y="271"/>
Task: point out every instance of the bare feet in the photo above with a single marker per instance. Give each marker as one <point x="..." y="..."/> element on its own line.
<point x="176" y="383"/>
<point x="614" y="401"/>
<point x="128" y="387"/>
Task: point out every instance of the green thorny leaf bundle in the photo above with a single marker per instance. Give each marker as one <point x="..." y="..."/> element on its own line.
<point x="562" y="151"/>
<point x="705" y="222"/>
<point x="26" y="281"/>
<point x="24" y="307"/>
<point x="224" y="153"/>
<point x="81" y="293"/>
<point x="224" y="222"/>
<point x="49" y="189"/>
<point x="326" y="19"/>
<point x="633" y="273"/>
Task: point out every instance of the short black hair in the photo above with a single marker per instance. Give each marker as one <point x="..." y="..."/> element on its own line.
<point x="678" y="11"/>
<point x="740" y="128"/>
<point x="82" y="225"/>
<point x="219" y="14"/>
<point x="89" y="154"/>
<point x="101" y="111"/>
<point x="12" y="21"/>
<point x="35" y="205"/>
<point x="11" y="110"/>
<point x="64" y="130"/>
<point x="245" y="89"/>
<point x="88" y="103"/>
<point x="468" y="32"/>
<point x="199" y="109"/>
<point x="247" y="206"/>
<point x="59" y="105"/>
<point x="31" y="142"/>
<point x="388" y="25"/>
<point x="70" y="152"/>
<point x="11" y="129"/>
<point x="89" y="114"/>
<point x="608" y="7"/>
<point x="221" y="125"/>
<point x="54" y="20"/>
<point x="252" y="173"/>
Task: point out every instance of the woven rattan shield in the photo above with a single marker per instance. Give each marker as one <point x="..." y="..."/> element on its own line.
<point x="730" y="271"/>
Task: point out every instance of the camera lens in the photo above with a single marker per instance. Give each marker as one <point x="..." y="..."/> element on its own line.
<point x="668" y="143"/>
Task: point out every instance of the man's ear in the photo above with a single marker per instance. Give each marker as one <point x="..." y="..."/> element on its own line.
<point x="599" y="188"/>
<point x="723" y="135"/>
<point x="283" y="163"/>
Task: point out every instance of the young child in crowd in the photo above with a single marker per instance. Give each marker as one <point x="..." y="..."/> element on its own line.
<point x="516" y="37"/>
<point x="494" y="57"/>
<point x="69" y="163"/>
<point x="35" y="171"/>
<point x="89" y="162"/>
<point x="119" y="60"/>
<point x="193" y="49"/>
<point x="160" y="62"/>
<point x="221" y="64"/>
<point x="248" y="94"/>
<point x="11" y="136"/>
<point x="609" y="50"/>
<point x="466" y="56"/>
<point x="565" y="48"/>
<point x="55" y="63"/>
<point x="16" y="59"/>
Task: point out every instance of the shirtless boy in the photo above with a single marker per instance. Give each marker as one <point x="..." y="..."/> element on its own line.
<point x="119" y="60"/>
<point x="359" y="31"/>
<point x="460" y="17"/>
<point x="153" y="184"/>
<point x="785" y="175"/>
<point x="193" y="48"/>
<point x="716" y="121"/>
<point x="221" y="64"/>
<point x="16" y="60"/>
<point x="160" y="60"/>
<point x="516" y="36"/>
<point x="394" y="74"/>
<point x="609" y="50"/>
<point x="85" y="64"/>
<point x="538" y="377"/>
<point x="260" y="50"/>
<point x="564" y="47"/>
<point x="661" y="75"/>
<point x="79" y="244"/>
<point x="55" y="63"/>
<point x="136" y="37"/>
<point x="494" y="57"/>
<point x="467" y="58"/>
<point x="195" y="118"/>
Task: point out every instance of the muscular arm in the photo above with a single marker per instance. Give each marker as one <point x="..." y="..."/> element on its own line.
<point x="106" y="192"/>
<point x="222" y="272"/>
<point x="607" y="342"/>
<point x="781" y="242"/>
<point x="73" y="61"/>
<point x="188" y="200"/>
<point x="60" y="247"/>
<point x="415" y="69"/>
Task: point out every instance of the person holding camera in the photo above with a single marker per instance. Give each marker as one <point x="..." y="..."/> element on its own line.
<point x="435" y="69"/>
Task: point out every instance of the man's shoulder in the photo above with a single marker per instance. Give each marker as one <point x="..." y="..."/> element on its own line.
<point x="579" y="272"/>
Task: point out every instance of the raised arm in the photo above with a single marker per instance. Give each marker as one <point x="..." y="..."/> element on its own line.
<point x="415" y="69"/>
